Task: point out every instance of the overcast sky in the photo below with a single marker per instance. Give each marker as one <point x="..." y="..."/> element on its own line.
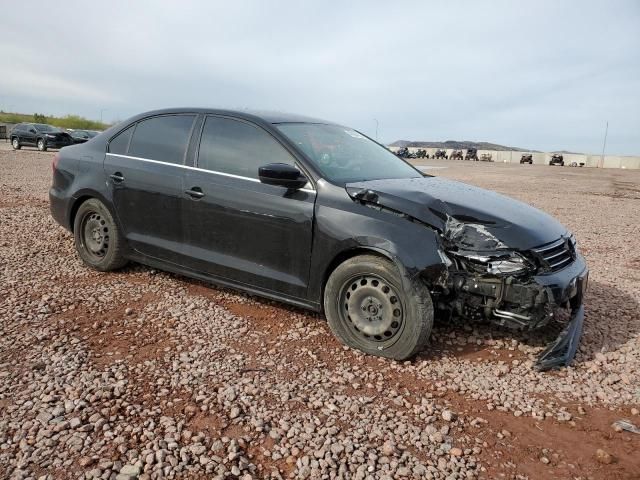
<point x="543" y="75"/>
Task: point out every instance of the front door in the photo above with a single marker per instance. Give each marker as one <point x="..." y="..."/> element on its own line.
<point x="145" y="169"/>
<point x="238" y="228"/>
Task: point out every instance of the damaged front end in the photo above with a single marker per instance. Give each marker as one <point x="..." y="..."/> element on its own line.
<point x="517" y="289"/>
<point x="501" y="260"/>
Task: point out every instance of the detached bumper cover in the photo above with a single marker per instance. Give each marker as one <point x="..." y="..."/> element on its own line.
<point x="562" y="350"/>
<point x="560" y="353"/>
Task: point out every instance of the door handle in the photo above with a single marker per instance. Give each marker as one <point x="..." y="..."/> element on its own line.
<point x="195" y="192"/>
<point x="117" y="177"/>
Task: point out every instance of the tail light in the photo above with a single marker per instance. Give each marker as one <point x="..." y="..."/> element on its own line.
<point x="54" y="162"/>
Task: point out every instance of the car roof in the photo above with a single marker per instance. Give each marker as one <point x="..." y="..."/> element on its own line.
<point x="264" y="115"/>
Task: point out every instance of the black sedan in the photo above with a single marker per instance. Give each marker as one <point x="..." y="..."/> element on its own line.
<point x="39" y="135"/>
<point x="81" y="136"/>
<point x="317" y="215"/>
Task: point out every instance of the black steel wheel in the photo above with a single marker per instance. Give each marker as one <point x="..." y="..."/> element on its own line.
<point x="371" y="307"/>
<point x="97" y="237"/>
<point x="368" y="308"/>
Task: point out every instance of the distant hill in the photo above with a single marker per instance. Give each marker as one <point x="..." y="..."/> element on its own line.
<point x="458" y="145"/>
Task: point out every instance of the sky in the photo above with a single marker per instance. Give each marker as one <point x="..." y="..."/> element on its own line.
<point x="544" y="75"/>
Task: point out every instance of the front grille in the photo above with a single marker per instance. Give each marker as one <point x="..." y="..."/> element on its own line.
<point x="556" y="255"/>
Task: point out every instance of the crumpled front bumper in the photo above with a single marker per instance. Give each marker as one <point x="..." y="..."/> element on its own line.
<point x="562" y="350"/>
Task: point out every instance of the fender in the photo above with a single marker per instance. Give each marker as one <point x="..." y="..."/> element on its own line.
<point x="415" y="248"/>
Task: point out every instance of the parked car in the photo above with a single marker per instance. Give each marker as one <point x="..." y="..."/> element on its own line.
<point x="39" y="135"/>
<point x="456" y="155"/>
<point x="486" y="157"/>
<point x="557" y="159"/>
<point x="526" y="158"/>
<point x="317" y="215"/>
<point x="441" y="153"/>
<point x="81" y="136"/>
<point x="472" y="154"/>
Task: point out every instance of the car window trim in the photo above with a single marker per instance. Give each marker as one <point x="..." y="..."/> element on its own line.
<point x="297" y="163"/>
<point x="188" y="167"/>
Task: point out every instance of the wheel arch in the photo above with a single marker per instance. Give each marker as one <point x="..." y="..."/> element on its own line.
<point x="347" y="254"/>
<point x="82" y="197"/>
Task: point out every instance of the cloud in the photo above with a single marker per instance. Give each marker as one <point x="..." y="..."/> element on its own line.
<point x="545" y="75"/>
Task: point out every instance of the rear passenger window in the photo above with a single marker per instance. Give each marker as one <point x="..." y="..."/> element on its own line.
<point x="120" y="142"/>
<point x="162" y="138"/>
<point x="239" y="148"/>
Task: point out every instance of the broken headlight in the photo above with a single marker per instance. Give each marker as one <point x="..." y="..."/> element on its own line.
<point x="513" y="264"/>
<point x="507" y="263"/>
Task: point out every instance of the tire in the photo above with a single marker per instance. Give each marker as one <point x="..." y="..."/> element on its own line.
<point x="367" y="308"/>
<point x="42" y="145"/>
<point x="97" y="238"/>
<point x="15" y="143"/>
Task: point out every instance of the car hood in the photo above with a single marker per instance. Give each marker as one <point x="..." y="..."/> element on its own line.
<point x="471" y="217"/>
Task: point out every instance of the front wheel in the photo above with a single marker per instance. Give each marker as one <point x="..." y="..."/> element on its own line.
<point x="15" y="143"/>
<point x="42" y="146"/>
<point x="368" y="309"/>
<point x="97" y="238"/>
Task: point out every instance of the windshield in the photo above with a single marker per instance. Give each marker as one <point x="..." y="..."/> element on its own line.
<point x="344" y="155"/>
<point x="42" y="127"/>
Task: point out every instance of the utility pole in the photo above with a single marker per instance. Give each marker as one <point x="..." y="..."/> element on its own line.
<point x="376" y="120"/>
<point x="604" y="144"/>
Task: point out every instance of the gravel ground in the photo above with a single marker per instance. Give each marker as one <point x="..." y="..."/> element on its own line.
<point x="144" y="374"/>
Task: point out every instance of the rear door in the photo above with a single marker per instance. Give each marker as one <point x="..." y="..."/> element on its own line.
<point x="239" y="228"/>
<point x="145" y="169"/>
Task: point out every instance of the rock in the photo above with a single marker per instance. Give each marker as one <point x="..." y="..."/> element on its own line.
<point x="603" y="457"/>
<point x="403" y="472"/>
<point x="388" y="449"/>
<point x="86" y="461"/>
<point x="448" y="415"/>
<point x="128" y="472"/>
<point x="455" y="452"/>
<point x="44" y="417"/>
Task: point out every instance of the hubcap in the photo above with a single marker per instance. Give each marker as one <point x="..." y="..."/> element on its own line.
<point x="15" y="142"/>
<point x="371" y="307"/>
<point x="95" y="234"/>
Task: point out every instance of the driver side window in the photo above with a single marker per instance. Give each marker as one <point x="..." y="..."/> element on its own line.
<point x="236" y="147"/>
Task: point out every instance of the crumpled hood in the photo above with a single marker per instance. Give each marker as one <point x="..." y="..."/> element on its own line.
<point x="448" y="205"/>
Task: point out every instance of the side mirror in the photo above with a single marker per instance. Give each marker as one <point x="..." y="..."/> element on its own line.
<point x="283" y="175"/>
<point x="33" y="130"/>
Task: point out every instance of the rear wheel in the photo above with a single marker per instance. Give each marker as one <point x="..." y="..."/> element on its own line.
<point x="15" y="143"/>
<point x="42" y="146"/>
<point x="97" y="238"/>
<point x="368" y="309"/>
